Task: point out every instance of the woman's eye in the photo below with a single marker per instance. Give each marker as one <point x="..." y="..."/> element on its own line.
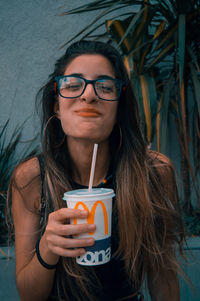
<point x="105" y="88"/>
<point x="73" y="86"/>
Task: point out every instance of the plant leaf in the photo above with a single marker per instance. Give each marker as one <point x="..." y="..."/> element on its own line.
<point x="160" y="29"/>
<point x="161" y="54"/>
<point x="117" y="29"/>
<point x="162" y="118"/>
<point x="181" y="46"/>
<point x="131" y="25"/>
<point x="196" y="84"/>
<point x="128" y="62"/>
<point x="149" y="98"/>
<point x="166" y="37"/>
<point x="193" y="58"/>
<point x="94" y="5"/>
<point x="98" y="17"/>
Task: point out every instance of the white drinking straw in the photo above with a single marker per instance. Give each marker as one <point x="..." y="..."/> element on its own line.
<point x="93" y="166"/>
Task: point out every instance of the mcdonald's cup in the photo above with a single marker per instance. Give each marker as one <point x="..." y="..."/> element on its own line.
<point x="98" y="202"/>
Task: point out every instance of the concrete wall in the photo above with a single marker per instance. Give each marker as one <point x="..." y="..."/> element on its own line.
<point x="31" y="34"/>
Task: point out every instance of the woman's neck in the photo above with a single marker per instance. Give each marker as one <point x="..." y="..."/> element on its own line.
<point x="81" y="154"/>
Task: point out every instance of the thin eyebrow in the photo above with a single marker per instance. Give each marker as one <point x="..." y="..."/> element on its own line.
<point x="105" y="76"/>
<point x="98" y="77"/>
<point x="74" y="74"/>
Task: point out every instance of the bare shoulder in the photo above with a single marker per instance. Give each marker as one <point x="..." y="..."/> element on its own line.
<point x="163" y="168"/>
<point x="26" y="206"/>
<point x="26" y="183"/>
<point x="26" y="172"/>
<point x="158" y="159"/>
<point x="163" y="172"/>
<point x="161" y="163"/>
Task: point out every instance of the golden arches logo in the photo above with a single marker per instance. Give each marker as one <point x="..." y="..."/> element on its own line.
<point x="90" y="218"/>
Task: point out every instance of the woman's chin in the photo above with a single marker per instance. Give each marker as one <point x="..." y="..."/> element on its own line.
<point x="94" y="137"/>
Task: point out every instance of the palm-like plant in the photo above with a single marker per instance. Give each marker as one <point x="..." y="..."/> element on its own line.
<point x="160" y="43"/>
<point x="9" y="159"/>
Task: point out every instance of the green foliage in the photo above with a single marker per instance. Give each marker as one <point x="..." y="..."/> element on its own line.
<point x="160" y="44"/>
<point x="8" y="160"/>
<point x="193" y="223"/>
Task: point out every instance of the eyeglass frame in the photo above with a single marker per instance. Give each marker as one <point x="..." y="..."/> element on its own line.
<point x="119" y="82"/>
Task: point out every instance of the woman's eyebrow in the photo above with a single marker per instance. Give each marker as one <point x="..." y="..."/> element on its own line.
<point x="75" y="74"/>
<point x="96" y="77"/>
<point x="104" y="76"/>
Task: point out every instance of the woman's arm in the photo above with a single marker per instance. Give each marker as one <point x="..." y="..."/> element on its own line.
<point x="163" y="286"/>
<point x="35" y="282"/>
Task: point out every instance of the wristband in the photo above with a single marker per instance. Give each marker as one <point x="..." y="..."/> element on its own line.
<point x="43" y="263"/>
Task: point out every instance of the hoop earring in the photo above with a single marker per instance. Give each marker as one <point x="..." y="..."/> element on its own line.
<point x="48" y="121"/>
<point x="45" y="132"/>
<point x="61" y="143"/>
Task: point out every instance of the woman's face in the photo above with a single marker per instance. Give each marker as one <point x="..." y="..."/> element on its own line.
<point x="88" y="117"/>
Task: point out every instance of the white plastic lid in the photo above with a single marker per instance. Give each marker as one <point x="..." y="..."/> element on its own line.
<point x="95" y="193"/>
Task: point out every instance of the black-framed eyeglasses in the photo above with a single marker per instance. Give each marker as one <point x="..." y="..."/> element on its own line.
<point x="73" y="86"/>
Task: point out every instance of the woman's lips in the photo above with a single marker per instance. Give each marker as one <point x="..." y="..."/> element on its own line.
<point x="88" y="113"/>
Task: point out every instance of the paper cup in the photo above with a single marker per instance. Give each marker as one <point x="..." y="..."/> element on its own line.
<point x="98" y="202"/>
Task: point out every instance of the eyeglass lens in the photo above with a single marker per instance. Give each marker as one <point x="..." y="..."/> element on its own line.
<point x="72" y="87"/>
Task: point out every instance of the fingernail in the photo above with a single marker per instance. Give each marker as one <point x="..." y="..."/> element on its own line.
<point x="91" y="227"/>
<point x="82" y="252"/>
<point x="89" y="241"/>
<point x="84" y="212"/>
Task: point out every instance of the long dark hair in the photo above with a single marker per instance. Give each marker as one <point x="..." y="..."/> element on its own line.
<point x="148" y="221"/>
<point x="127" y="116"/>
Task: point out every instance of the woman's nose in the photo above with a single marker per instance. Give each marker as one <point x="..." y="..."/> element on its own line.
<point x="89" y="94"/>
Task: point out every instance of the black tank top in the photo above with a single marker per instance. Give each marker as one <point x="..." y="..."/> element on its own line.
<point x="111" y="275"/>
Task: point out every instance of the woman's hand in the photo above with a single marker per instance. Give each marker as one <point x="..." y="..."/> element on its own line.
<point x="33" y="280"/>
<point x="58" y="233"/>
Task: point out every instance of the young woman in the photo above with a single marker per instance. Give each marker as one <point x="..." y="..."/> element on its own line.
<point x="88" y="99"/>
